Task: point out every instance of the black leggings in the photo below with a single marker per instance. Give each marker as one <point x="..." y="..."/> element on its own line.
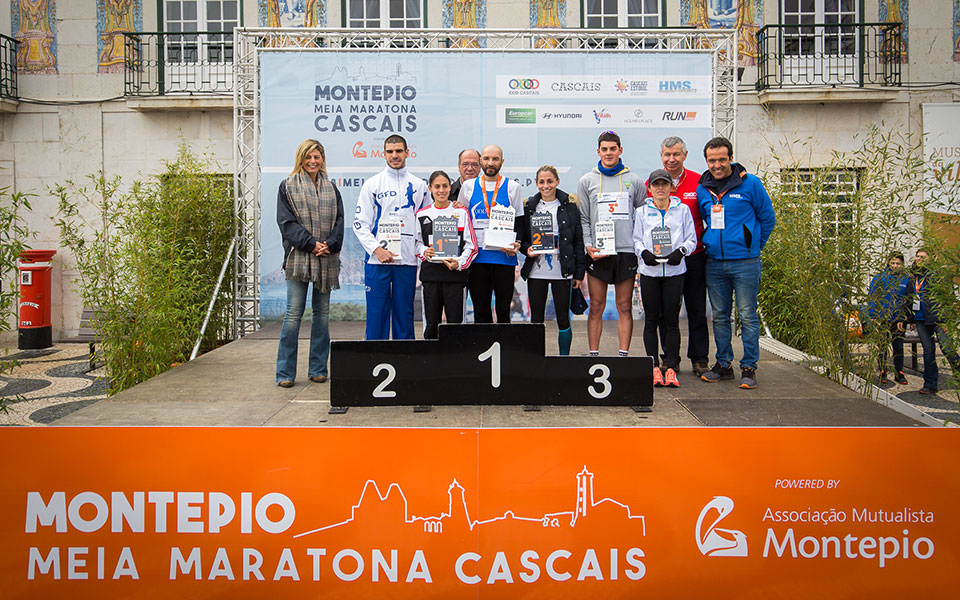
<point x="661" y="298"/>
<point x="537" y="292"/>
<point x="486" y="278"/>
<point x="441" y="297"/>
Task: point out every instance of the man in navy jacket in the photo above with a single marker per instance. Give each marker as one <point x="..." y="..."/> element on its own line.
<point x="739" y="219"/>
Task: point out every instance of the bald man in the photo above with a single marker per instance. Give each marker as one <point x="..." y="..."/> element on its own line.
<point x="492" y="271"/>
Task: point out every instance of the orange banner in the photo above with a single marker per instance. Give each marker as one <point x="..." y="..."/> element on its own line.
<point x="479" y="513"/>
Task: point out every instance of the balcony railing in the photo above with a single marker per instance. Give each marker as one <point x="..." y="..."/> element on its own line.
<point x="169" y="63"/>
<point x="830" y="55"/>
<point x="8" y="67"/>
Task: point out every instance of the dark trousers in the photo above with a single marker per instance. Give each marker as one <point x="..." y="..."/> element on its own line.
<point x="661" y="307"/>
<point x="931" y="372"/>
<point x="695" y="298"/>
<point x="537" y="292"/>
<point x="896" y="340"/>
<point x="488" y="279"/>
<point x="439" y="298"/>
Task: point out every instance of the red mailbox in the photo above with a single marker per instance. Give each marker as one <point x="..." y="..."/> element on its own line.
<point x="34" y="324"/>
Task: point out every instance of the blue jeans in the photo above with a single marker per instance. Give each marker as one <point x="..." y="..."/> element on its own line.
<point x="319" y="332"/>
<point x="931" y="372"/>
<point x="724" y="277"/>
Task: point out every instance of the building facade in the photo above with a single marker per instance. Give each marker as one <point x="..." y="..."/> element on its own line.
<point x="77" y="96"/>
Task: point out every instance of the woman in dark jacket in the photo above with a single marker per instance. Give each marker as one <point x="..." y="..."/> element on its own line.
<point x="310" y="217"/>
<point x="552" y="241"/>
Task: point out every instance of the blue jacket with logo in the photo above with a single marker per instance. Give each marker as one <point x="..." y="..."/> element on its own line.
<point x="748" y="214"/>
<point x="887" y="296"/>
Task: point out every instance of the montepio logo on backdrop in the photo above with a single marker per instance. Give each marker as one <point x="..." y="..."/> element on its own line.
<point x="382" y="537"/>
<point x="371" y="103"/>
<point x="880" y="535"/>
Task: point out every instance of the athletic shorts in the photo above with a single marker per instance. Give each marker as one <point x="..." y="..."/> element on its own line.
<point x="613" y="269"/>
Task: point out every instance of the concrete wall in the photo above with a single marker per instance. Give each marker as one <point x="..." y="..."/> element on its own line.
<point x="84" y="126"/>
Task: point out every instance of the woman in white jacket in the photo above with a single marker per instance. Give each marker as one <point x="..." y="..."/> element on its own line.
<point x="663" y="233"/>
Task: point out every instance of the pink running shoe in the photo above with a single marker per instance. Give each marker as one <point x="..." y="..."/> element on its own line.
<point x="657" y="377"/>
<point x="670" y="379"/>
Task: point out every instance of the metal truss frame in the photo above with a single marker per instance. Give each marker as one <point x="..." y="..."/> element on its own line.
<point x="249" y="42"/>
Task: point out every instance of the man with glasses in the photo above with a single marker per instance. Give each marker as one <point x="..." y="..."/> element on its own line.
<point x="468" y="163"/>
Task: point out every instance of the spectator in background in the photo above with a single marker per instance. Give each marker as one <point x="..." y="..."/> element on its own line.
<point x="885" y="309"/>
<point x="926" y="315"/>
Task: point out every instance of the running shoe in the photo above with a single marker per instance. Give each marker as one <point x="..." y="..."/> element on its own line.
<point x="670" y="379"/>
<point x="717" y="373"/>
<point x="657" y="377"/>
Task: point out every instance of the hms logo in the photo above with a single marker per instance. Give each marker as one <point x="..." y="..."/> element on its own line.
<point x="714" y="541"/>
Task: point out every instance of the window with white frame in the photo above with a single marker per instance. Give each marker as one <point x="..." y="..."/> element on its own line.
<point x="611" y="14"/>
<point x="819" y="41"/>
<point x="836" y="208"/>
<point x="384" y="14"/>
<point x="198" y="43"/>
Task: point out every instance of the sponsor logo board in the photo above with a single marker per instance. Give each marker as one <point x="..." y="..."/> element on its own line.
<point x="602" y="86"/>
<point x="543" y="115"/>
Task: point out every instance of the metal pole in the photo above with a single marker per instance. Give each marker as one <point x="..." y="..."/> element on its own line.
<point x="213" y="299"/>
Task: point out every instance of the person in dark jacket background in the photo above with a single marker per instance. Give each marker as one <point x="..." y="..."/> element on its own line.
<point x="310" y="217"/>
<point x="888" y="291"/>
<point x="739" y="218"/>
<point x="926" y="315"/>
<point x="561" y="270"/>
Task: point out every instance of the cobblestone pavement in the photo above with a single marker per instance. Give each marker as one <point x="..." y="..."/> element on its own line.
<point x="49" y="384"/>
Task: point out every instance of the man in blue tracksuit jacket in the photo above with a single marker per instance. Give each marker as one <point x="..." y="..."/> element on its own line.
<point x="390" y="280"/>
<point x="739" y="218"/>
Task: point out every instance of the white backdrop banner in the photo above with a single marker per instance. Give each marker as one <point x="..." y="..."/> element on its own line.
<point x="541" y="108"/>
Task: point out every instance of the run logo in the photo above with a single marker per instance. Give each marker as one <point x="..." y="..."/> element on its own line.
<point x="679" y="115"/>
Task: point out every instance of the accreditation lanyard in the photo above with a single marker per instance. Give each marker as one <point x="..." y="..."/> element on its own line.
<point x="716" y="212"/>
<point x="483" y="189"/>
<point x="918" y="285"/>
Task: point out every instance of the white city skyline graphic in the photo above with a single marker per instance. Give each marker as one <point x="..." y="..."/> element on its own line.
<point x="457" y="508"/>
<point x="341" y="75"/>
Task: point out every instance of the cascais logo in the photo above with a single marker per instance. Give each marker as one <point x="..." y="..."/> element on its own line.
<point x="714" y="541"/>
<point x="622" y="86"/>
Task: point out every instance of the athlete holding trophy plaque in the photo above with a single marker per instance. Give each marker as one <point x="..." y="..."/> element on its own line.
<point x="608" y="194"/>
<point x="663" y="234"/>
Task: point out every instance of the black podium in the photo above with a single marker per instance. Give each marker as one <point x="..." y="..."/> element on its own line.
<point x="483" y="364"/>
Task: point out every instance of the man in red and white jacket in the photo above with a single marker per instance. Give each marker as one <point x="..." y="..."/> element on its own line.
<point x="673" y="153"/>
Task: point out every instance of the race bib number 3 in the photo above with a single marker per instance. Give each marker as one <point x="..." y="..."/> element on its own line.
<point x="613" y="206"/>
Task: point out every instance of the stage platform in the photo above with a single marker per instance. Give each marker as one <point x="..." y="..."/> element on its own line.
<point x="235" y="386"/>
